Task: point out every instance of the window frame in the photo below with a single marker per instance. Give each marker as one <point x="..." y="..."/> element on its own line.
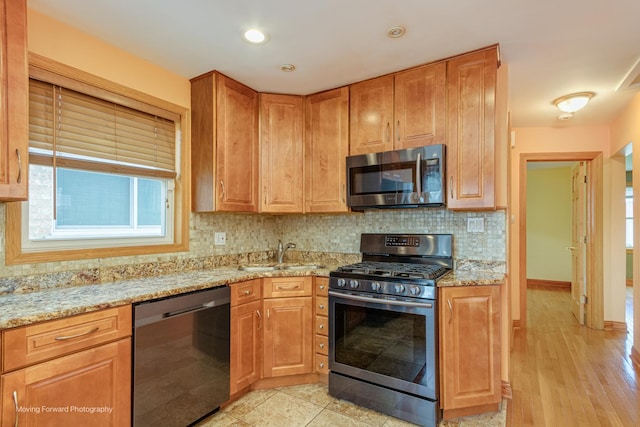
<point x="100" y="87"/>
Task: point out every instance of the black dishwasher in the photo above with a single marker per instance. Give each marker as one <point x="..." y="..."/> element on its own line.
<point x="180" y="358"/>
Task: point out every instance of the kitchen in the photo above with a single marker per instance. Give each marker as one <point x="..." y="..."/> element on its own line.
<point x="255" y="234"/>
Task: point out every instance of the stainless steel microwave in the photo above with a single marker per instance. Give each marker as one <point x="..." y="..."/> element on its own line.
<point x="412" y="177"/>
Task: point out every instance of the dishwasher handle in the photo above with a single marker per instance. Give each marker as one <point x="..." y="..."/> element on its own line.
<point x="190" y="309"/>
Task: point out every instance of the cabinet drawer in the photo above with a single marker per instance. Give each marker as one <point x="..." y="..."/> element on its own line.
<point x="321" y="344"/>
<point x="243" y="292"/>
<point x="279" y="287"/>
<point x="322" y="364"/>
<point x="322" y="306"/>
<point x="42" y="341"/>
<point x="322" y="286"/>
<point x="322" y="325"/>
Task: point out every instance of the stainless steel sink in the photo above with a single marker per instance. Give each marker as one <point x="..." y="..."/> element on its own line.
<point x="272" y="267"/>
<point x="301" y="266"/>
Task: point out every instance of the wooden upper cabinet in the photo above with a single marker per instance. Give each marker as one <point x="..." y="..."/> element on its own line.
<point x="281" y="153"/>
<point x="471" y="92"/>
<point x="402" y="110"/>
<point x="326" y="148"/>
<point x="224" y="145"/>
<point x="14" y="97"/>
<point x="371" y="107"/>
<point x="420" y="106"/>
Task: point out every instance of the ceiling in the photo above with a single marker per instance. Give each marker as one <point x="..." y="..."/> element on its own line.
<point x="552" y="48"/>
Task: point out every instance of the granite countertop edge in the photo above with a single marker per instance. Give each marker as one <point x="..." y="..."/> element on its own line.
<point x="22" y="309"/>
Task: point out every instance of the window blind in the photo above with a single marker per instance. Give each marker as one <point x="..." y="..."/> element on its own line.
<point x="71" y="129"/>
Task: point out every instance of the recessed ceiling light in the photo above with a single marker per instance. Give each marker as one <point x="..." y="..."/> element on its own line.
<point x="288" y="68"/>
<point x="254" y="36"/>
<point x="396" y="31"/>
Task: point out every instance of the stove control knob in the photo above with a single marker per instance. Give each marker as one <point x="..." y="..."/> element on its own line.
<point x="354" y="284"/>
<point x="375" y="286"/>
<point x="341" y="283"/>
<point x="399" y="289"/>
<point x="415" y="290"/>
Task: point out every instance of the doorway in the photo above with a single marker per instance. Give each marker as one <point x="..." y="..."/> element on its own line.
<point x="593" y="161"/>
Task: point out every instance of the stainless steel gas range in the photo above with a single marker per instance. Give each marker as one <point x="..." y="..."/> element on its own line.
<point x="383" y="325"/>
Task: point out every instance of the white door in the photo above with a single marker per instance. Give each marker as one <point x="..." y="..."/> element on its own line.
<point x="578" y="241"/>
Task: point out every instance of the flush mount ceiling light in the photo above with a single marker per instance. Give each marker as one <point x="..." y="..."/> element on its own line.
<point x="254" y="36"/>
<point x="574" y="102"/>
<point x="288" y="68"/>
<point x="396" y="31"/>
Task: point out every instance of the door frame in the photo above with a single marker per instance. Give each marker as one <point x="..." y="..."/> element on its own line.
<point x="594" y="309"/>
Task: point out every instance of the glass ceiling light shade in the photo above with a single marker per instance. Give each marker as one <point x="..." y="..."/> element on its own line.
<point x="254" y="36"/>
<point x="574" y="102"/>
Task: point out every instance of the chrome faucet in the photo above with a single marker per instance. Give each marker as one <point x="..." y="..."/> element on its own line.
<point x="282" y="249"/>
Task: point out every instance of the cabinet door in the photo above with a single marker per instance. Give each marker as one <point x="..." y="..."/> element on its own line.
<point x="281" y="153"/>
<point x="246" y="345"/>
<point x="420" y="107"/>
<point x="371" y="116"/>
<point x="61" y="392"/>
<point x="326" y="148"/>
<point x="288" y="335"/>
<point x="13" y="100"/>
<point x="236" y="147"/>
<point x="470" y="346"/>
<point x="471" y="87"/>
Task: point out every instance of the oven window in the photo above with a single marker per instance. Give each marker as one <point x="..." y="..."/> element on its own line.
<point x="381" y="341"/>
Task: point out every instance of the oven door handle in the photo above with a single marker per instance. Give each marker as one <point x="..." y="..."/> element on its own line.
<point x="381" y="301"/>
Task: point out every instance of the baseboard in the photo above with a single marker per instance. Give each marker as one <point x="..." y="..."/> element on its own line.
<point x="611" y="325"/>
<point x="547" y="284"/>
<point x="507" y="391"/>
<point x="635" y="356"/>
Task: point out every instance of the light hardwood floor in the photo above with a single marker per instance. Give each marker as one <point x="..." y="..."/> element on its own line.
<point x="564" y="374"/>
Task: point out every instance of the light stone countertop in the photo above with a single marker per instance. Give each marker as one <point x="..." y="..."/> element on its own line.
<point x="21" y="309"/>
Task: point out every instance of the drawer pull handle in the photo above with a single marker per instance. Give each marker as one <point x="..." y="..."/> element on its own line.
<point x="247" y="292"/>
<point x="322" y="345"/>
<point x="259" y="318"/>
<point x="288" y="287"/>
<point x="450" y="310"/>
<point x="70" y="337"/>
<point x="15" y="404"/>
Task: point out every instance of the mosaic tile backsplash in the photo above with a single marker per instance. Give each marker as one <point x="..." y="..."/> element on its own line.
<point x="254" y="237"/>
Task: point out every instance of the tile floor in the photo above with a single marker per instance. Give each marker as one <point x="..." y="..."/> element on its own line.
<point x="311" y="405"/>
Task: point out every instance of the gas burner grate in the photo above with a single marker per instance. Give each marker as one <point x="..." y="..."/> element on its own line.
<point x="396" y="269"/>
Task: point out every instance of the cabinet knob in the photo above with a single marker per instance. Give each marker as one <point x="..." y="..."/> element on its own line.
<point x="322" y="345"/>
<point x="321" y="326"/>
<point x="321" y="306"/>
<point x="247" y="292"/>
<point x="321" y="365"/>
<point x="321" y="287"/>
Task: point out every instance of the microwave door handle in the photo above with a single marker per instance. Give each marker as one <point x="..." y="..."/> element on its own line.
<point x="419" y="174"/>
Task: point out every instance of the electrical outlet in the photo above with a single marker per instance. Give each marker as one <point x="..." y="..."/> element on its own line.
<point x="475" y="225"/>
<point x="220" y="238"/>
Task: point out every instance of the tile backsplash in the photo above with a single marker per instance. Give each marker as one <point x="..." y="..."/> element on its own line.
<point x="255" y="236"/>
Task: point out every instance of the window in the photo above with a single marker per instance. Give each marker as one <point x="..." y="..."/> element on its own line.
<point x="103" y="173"/>
<point x="629" y="216"/>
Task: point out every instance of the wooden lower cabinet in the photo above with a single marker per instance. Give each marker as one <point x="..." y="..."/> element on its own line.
<point x="91" y="387"/>
<point x="288" y="335"/>
<point x="469" y="349"/>
<point x="246" y="345"/>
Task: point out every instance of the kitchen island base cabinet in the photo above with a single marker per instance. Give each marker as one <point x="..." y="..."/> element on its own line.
<point x="91" y="387"/>
<point x="469" y="350"/>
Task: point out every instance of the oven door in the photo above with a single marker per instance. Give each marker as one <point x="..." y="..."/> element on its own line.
<point x="391" y="343"/>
